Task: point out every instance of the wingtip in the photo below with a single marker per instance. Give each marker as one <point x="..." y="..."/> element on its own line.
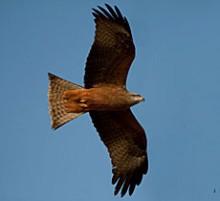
<point x="122" y="194"/>
<point x="107" y="5"/>
<point x="109" y="12"/>
<point x="131" y="189"/>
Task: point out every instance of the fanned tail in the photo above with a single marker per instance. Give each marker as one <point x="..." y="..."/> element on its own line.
<point x="57" y="111"/>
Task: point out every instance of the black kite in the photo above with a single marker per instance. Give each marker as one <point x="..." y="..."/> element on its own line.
<point x="106" y="99"/>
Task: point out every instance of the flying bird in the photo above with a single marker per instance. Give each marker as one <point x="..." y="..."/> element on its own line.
<point x="105" y="97"/>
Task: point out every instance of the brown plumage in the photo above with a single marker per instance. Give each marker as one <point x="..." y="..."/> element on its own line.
<point x="57" y="87"/>
<point x="112" y="51"/>
<point x="106" y="99"/>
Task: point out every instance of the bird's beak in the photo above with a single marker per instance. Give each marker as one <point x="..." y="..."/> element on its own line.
<point x="139" y="98"/>
<point x="142" y="99"/>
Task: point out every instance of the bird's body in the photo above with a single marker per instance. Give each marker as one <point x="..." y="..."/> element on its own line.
<point x="106" y="99"/>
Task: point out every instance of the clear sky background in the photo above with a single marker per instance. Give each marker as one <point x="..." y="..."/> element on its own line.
<point x="177" y="69"/>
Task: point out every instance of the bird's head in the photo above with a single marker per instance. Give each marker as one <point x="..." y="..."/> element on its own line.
<point x="136" y="98"/>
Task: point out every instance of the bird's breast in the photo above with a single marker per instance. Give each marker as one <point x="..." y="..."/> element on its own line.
<point x="107" y="98"/>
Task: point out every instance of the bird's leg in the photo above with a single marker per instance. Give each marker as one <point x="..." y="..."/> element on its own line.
<point x="74" y="101"/>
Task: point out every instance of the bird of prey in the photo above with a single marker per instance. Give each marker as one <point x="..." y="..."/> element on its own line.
<point x="105" y="97"/>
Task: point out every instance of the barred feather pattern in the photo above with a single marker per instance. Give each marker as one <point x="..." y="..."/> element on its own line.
<point x="57" y="111"/>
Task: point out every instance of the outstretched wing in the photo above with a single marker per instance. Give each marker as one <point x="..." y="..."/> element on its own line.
<point x="112" y="51"/>
<point x="108" y="62"/>
<point x="126" y="143"/>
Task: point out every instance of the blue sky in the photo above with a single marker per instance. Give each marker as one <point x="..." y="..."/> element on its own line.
<point x="177" y="70"/>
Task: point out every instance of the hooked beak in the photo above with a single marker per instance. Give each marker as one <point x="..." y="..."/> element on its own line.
<point x="138" y="98"/>
<point x="141" y="99"/>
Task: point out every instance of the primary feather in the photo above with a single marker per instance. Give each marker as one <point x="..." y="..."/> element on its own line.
<point x="108" y="62"/>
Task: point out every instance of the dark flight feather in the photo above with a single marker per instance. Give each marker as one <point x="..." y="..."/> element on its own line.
<point x="113" y="49"/>
<point x="126" y="143"/>
<point x="108" y="62"/>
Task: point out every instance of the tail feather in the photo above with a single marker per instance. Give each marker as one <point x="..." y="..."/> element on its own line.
<point x="57" y="111"/>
